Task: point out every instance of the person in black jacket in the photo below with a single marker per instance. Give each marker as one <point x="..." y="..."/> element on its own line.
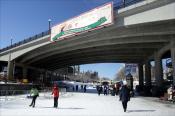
<point x="124" y="96"/>
<point x="99" y="89"/>
<point x="84" y="88"/>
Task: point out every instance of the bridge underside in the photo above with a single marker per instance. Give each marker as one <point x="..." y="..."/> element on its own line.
<point x="133" y="53"/>
<point x="132" y="44"/>
<point x="139" y="44"/>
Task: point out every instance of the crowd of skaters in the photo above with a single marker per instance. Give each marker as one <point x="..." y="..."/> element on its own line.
<point x="122" y="90"/>
<point x="76" y="88"/>
<point x="105" y="89"/>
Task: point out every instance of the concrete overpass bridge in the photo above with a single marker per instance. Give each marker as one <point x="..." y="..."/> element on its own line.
<point x="141" y="32"/>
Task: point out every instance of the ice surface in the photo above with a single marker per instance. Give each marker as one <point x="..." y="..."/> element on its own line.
<point x="84" y="104"/>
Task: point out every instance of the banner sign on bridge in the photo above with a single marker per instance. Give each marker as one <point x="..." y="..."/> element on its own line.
<point x="94" y="19"/>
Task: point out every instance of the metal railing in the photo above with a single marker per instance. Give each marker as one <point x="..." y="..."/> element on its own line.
<point x="35" y="37"/>
<point x="46" y="93"/>
<point x="124" y="3"/>
<point x="118" y="4"/>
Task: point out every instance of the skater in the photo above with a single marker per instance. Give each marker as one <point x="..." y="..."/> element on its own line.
<point x="99" y="89"/>
<point x="73" y="89"/>
<point x="55" y="93"/>
<point x="34" y="93"/>
<point x="84" y="88"/>
<point x="105" y="90"/>
<point x="76" y="87"/>
<point x="124" y="95"/>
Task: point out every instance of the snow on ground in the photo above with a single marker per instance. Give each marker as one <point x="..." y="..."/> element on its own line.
<point x="85" y="104"/>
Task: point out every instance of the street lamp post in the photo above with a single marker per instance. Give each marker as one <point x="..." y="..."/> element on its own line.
<point x="49" y="20"/>
<point x="124" y="3"/>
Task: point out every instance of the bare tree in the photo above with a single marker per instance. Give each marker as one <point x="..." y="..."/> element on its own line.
<point x="105" y="78"/>
<point x="120" y="74"/>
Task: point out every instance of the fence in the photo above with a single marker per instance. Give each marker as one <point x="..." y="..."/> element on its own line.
<point x="26" y="40"/>
<point x="46" y="93"/>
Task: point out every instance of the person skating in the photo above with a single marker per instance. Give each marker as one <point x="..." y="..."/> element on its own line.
<point x="98" y="89"/>
<point x="105" y="90"/>
<point x="84" y="88"/>
<point x="55" y="93"/>
<point x="34" y="93"/>
<point x="76" y="87"/>
<point x="124" y="95"/>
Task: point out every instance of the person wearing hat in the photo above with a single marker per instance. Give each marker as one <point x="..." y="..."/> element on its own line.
<point x="124" y="95"/>
<point x="55" y="93"/>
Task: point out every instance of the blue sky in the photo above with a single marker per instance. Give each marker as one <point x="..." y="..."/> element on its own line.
<point x="104" y="69"/>
<point x="20" y="19"/>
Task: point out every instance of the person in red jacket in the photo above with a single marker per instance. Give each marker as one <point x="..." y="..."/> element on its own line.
<point x="55" y="93"/>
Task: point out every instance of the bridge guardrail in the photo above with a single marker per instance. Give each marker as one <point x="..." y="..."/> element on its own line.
<point x="124" y="3"/>
<point x="6" y="95"/>
<point x="35" y="37"/>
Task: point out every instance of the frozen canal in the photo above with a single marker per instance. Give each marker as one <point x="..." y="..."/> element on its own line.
<point x="85" y="104"/>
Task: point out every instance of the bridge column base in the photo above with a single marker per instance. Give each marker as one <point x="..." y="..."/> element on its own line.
<point x="10" y="71"/>
<point x="140" y="67"/>
<point x="148" y="73"/>
<point x="173" y="59"/>
<point x="158" y="70"/>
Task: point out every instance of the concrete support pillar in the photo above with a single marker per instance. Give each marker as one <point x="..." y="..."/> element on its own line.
<point x="173" y="59"/>
<point x="158" y="69"/>
<point x="140" y="67"/>
<point x="10" y="70"/>
<point x="24" y="72"/>
<point x="148" y="73"/>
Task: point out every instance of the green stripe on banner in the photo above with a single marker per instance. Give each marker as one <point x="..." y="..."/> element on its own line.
<point x="91" y="26"/>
